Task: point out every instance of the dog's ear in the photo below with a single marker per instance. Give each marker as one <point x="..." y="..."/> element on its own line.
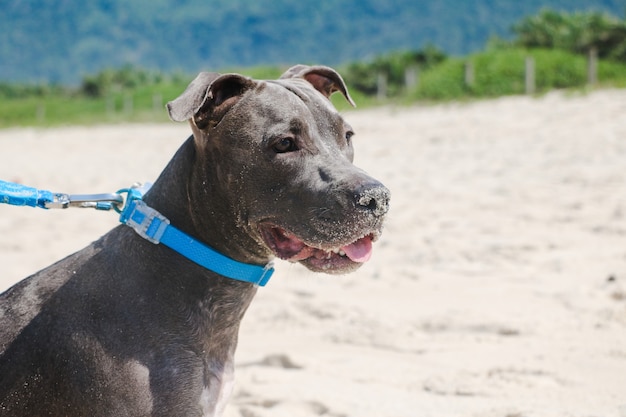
<point x="190" y="101"/>
<point x="324" y="79"/>
<point x="208" y="92"/>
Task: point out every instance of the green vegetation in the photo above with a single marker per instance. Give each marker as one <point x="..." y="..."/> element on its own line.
<point x="575" y="32"/>
<point x="363" y="76"/>
<point x="558" y="44"/>
<point x="502" y="72"/>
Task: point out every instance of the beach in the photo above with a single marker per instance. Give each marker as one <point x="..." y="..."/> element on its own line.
<point x="497" y="289"/>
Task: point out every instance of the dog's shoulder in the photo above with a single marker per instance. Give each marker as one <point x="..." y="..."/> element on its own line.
<point x="21" y="303"/>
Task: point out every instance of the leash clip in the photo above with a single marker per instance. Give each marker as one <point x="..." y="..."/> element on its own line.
<point x="105" y="201"/>
<point x="97" y="201"/>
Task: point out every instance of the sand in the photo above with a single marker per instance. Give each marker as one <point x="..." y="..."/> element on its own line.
<point x="497" y="289"/>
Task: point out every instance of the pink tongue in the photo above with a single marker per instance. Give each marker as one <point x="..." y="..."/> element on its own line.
<point x="359" y="251"/>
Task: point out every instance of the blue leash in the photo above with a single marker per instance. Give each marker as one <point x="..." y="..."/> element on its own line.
<point x="146" y="221"/>
<point x="18" y="195"/>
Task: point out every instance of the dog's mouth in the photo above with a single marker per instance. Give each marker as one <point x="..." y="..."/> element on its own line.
<point x="339" y="258"/>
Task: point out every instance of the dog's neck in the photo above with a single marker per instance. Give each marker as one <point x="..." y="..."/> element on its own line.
<point x="189" y="195"/>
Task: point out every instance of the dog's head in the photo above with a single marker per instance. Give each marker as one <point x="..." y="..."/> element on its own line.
<point x="278" y="156"/>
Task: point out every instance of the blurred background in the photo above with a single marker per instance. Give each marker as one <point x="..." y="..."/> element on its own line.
<point x="73" y="61"/>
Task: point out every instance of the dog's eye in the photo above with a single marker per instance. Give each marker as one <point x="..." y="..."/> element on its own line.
<point x="285" y="145"/>
<point x="349" y="135"/>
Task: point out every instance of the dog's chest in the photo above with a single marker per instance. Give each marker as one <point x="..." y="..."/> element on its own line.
<point x="213" y="398"/>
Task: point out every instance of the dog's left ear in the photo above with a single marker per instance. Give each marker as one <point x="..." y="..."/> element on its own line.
<point x="206" y="95"/>
<point x="324" y="79"/>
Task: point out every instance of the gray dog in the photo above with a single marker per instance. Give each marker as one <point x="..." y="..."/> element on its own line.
<point x="126" y="327"/>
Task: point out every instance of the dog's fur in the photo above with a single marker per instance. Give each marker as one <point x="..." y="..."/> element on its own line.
<point x="128" y="328"/>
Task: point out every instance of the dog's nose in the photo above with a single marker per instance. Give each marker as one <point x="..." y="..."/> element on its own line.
<point x="374" y="198"/>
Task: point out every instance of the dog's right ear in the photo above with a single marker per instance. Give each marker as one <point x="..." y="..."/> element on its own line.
<point x="206" y="95"/>
<point x="191" y="100"/>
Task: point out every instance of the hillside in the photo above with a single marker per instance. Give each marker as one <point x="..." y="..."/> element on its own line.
<point x="59" y="41"/>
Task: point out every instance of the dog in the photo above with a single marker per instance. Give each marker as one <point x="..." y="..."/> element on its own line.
<point x="126" y="327"/>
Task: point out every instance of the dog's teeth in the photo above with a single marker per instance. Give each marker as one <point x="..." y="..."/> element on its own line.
<point x="335" y="251"/>
<point x="342" y="253"/>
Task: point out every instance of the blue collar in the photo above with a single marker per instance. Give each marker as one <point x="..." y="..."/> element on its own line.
<point x="156" y="228"/>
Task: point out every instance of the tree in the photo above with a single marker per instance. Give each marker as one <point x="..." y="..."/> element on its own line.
<point x="575" y="32"/>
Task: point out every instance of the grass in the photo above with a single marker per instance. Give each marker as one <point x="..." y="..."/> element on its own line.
<point x="141" y="105"/>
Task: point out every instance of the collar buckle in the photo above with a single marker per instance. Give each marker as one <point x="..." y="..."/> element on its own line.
<point x="146" y="221"/>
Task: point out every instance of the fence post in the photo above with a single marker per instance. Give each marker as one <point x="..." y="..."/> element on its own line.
<point x="381" y="83"/>
<point x="592" y="66"/>
<point x="411" y="77"/>
<point x="157" y="102"/>
<point x="128" y="104"/>
<point x="110" y="105"/>
<point x="529" y="75"/>
<point x="40" y="113"/>
<point x="469" y="74"/>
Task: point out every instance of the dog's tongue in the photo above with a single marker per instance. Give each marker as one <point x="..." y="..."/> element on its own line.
<point x="359" y="251"/>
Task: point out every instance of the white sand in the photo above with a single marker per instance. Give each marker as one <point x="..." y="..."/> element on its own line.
<point x="498" y="288"/>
